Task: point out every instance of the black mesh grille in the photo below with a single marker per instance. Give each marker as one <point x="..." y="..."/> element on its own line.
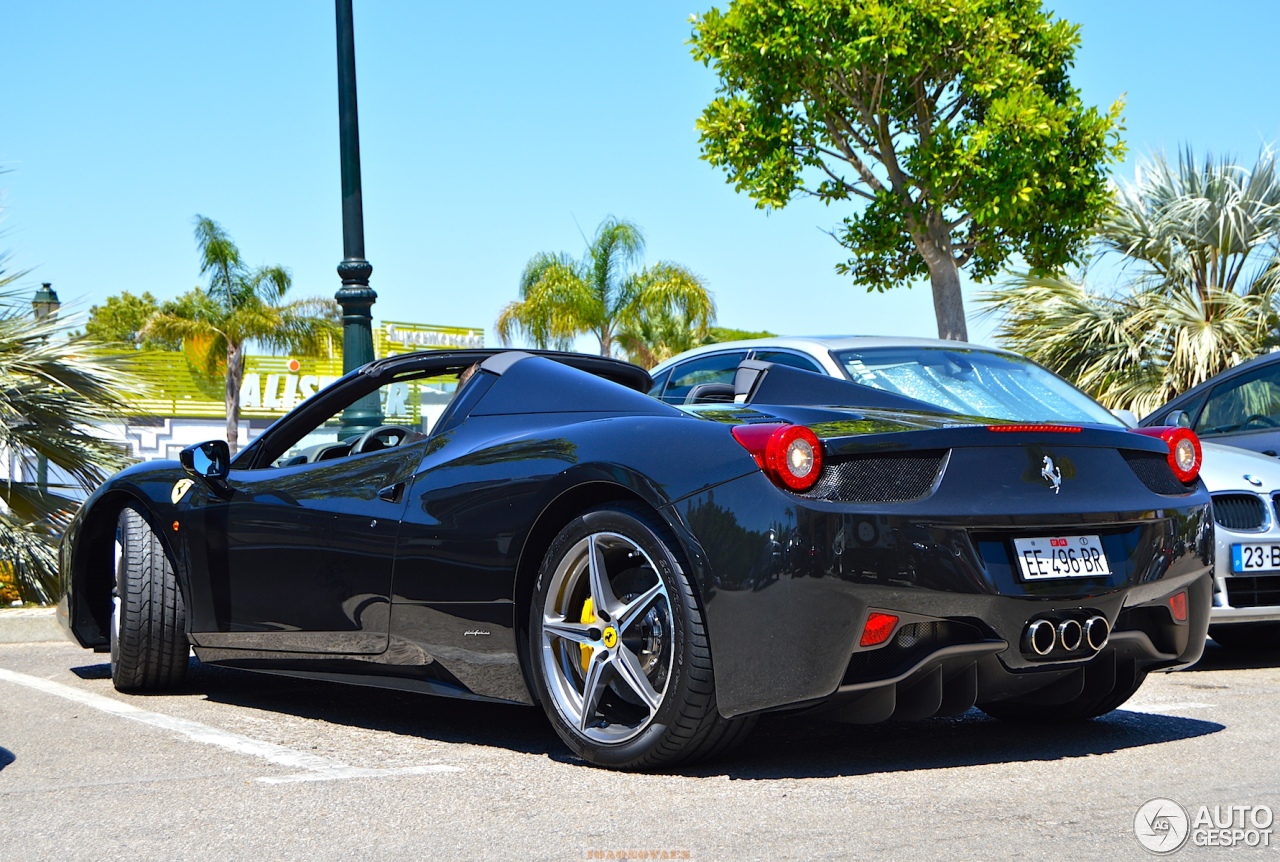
<point x="1154" y="471"/>
<point x="1253" y="592"/>
<point x="1239" y="511"/>
<point x="910" y="644"/>
<point x="882" y="478"/>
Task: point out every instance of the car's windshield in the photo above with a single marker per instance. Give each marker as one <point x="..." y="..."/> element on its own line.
<point x="974" y="382"/>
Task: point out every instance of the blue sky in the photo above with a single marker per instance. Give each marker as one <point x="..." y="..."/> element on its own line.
<point x="488" y="133"/>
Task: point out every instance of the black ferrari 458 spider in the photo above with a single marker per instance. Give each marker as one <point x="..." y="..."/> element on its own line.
<point x="656" y="576"/>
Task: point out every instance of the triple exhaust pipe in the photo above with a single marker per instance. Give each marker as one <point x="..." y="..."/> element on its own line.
<point x="1043" y="636"/>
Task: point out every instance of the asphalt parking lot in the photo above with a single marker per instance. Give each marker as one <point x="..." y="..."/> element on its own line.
<point x="249" y="766"/>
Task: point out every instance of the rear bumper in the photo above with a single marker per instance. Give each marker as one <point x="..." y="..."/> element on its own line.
<point x="787" y="585"/>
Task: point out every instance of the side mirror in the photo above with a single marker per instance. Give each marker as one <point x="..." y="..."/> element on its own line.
<point x="1178" y="419"/>
<point x="210" y="462"/>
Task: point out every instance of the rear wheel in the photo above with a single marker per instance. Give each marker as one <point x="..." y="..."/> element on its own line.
<point x="149" y="648"/>
<point x="1247" y="636"/>
<point x="619" y="649"/>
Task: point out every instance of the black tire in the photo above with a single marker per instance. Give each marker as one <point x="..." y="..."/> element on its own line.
<point x="685" y="723"/>
<point x="149" y="648"/>
<point x="1247" y="636"/>
<point x="1081" y="709"/>
<point x="723" y="739"/>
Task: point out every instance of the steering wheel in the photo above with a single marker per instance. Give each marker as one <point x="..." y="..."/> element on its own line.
<point x="397" y="431"/>
<point x="1265" y="420"/>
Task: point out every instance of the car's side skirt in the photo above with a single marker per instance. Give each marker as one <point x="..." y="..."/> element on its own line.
<point x="349" y="671"/>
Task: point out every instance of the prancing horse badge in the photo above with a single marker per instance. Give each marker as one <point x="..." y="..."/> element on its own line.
<point x="1051" y="474"/>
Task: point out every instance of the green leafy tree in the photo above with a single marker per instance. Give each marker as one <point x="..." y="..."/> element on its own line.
<point x="602" y="293"/>
<point x="120" y="320"/>
<point x="1200" y="243"/>
<point x="241" y="304"/>
<point x="953" y="122"/>
<point x="718" y="334"/>
<point x="649" y="338"/>
<point x="54" y="390"/>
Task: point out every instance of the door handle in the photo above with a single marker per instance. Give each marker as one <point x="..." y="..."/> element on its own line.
<point x="392" y="493"/>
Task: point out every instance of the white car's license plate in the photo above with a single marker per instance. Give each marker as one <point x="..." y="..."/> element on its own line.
<point x="1061" y="557"/>
<point x="1258" y="557"/>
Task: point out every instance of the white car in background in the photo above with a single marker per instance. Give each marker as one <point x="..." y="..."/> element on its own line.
<point x="1245" y="486"/>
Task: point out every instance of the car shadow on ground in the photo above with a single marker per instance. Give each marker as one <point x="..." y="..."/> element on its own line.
<point x="809" y="748"/>
<point x="1218" y="657"/>
<point x="781" y="746"/>
<point x="518" y="728"/>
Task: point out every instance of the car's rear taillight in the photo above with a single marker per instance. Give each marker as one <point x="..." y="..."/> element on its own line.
<point x="1185" y="455"/>
<point x="790" y="455"/>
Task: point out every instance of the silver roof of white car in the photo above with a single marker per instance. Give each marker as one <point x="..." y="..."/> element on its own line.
<point x="824" y="345"/>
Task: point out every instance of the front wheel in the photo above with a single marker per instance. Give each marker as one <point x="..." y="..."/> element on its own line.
<point x="619" y="650"/>
<point x="149" y="649"/>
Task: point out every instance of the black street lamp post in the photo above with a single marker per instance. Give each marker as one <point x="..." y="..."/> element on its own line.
<point x="45" y="304"/>
<point x="355" y="296"/>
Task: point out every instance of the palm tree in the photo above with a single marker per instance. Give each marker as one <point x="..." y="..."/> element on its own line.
<point x="651" y="338"/>
<point x="54" y="390"/>
<point x="562" y="298"/>
<point x="1200" y="242"/>
<point x="239" y="305"/>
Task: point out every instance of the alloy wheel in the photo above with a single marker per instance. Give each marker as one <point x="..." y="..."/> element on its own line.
<point x="607" y="638"/>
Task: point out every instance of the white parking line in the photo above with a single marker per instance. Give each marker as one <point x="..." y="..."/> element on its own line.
<point x="316" y="768"/>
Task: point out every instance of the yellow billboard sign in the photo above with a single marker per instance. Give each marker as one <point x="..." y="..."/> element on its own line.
<point x="176" y="385"/>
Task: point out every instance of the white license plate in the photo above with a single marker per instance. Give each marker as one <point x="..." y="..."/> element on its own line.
<point x="1061" y="557"/>
<point x="1258" y="557"/>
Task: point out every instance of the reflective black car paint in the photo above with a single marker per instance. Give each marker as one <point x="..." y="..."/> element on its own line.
<point x="307" y="570"/>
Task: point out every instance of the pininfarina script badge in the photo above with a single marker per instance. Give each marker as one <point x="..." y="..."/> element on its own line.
<point x="1051" y="474"/>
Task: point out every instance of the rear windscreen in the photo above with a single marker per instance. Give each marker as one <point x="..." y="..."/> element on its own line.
<point x="975" y="383"/>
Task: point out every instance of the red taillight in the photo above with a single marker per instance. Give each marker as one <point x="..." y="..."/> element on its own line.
<point x="1052" y="429"/>
<point x="794" y="454"/>
<point x="1178" y="606"/>
<point x="790" y="455"/>
<point x="1185" y="456"/>
<point x="878" y="628"/>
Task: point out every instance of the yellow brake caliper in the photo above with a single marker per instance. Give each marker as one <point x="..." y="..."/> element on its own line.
<point x="588" y="617"/>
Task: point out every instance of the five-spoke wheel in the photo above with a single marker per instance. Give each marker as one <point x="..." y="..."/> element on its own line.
<point x="620" y="654"/>
<point x="607" y="657"/>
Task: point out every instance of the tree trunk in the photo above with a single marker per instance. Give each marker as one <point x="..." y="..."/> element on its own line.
<point x="235" y="373"/>
<point x="944" y="278"/>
